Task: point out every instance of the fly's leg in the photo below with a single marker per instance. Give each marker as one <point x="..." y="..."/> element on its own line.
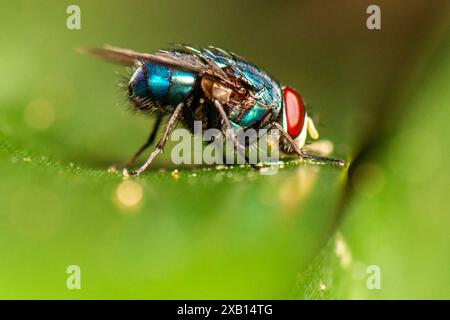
<point x="225" y="120"/>
<point x="148" y="143"/>
<point x="160" y="146"/>
<point x="224" y="159"/>
<point x="247" y="160"/>
<point x="303" y="155"/>
<point x="323" y="159"/>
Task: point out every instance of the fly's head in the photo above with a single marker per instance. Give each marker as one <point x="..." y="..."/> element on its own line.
<point x="294" y="118"/>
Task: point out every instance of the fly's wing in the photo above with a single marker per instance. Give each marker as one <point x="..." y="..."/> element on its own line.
<point x="130" y="57"/>
<point x="215" y="68"/>
<point x="177" y="59"/>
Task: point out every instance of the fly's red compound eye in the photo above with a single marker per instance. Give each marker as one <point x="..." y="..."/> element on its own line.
<point x="294" y="112"/>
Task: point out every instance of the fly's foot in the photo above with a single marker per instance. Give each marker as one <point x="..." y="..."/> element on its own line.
<point x="126" y="174"/>
<point x="316" y="158"/>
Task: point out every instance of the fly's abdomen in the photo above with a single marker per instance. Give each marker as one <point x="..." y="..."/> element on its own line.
<point x="161" y="85"/>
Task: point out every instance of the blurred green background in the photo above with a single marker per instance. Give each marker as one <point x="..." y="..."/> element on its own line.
<point x="309" y="232"/>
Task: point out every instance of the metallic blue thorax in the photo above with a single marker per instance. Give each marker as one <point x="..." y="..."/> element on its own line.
<point x="268" y="91"/>
<point x="161" y="84"/>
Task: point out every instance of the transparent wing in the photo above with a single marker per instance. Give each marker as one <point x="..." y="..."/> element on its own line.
<point x="130" y="57"/>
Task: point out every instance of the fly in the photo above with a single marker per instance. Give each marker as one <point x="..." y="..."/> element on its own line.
<point x="216" y="87"/>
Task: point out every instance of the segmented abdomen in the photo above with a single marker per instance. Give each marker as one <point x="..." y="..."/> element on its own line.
<point x="160" y="84"/>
